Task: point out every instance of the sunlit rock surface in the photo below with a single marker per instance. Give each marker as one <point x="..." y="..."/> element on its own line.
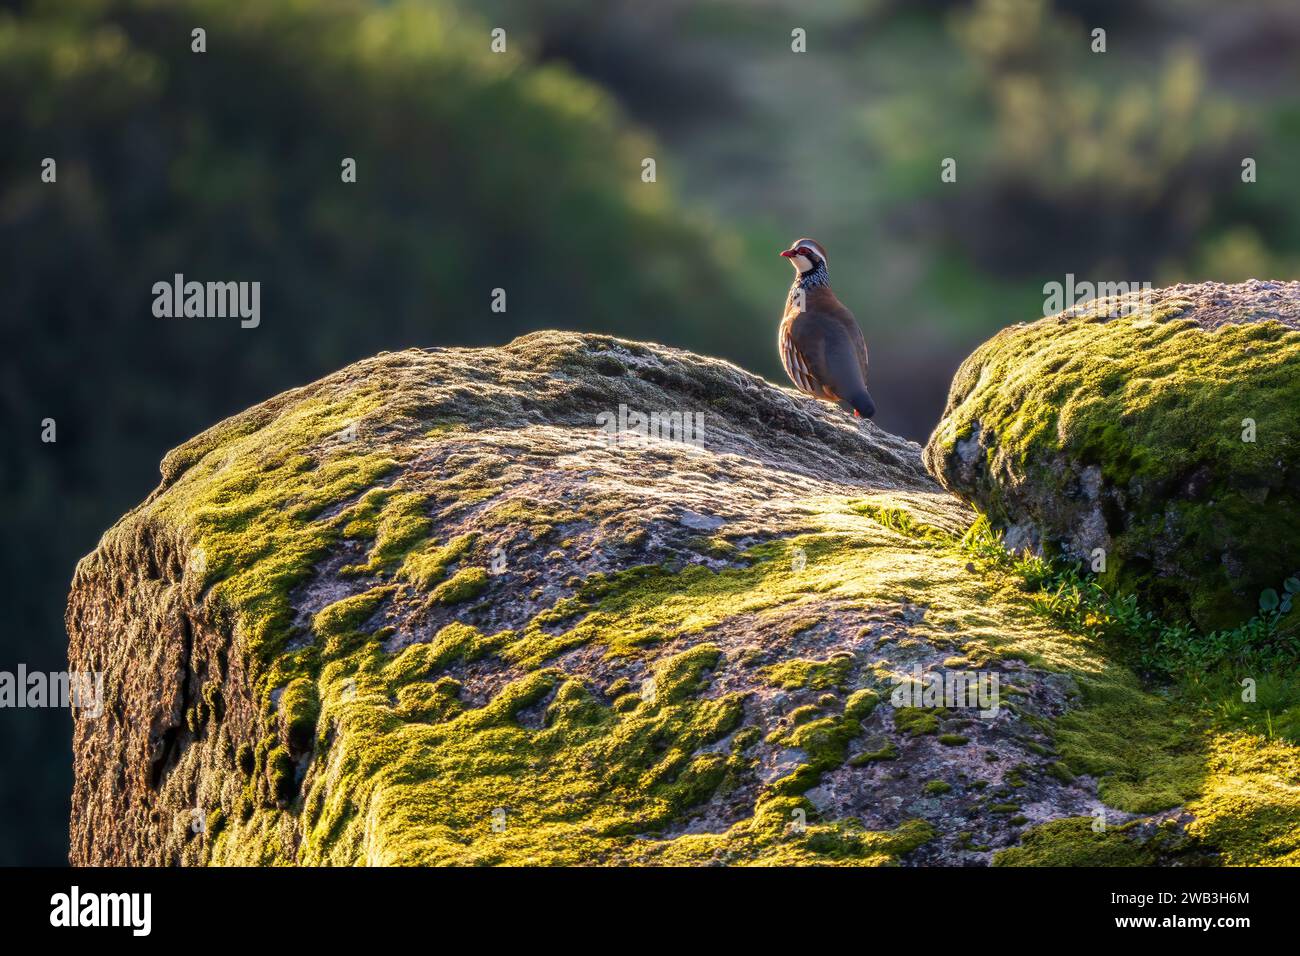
<point x="437" y="609"/>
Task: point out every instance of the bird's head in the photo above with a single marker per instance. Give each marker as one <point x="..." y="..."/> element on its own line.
<point x="806" y="255"/>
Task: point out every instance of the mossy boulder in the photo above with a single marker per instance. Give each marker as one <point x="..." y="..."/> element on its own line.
<point x="456" y="607"/>
<point x="1161" y="434"/>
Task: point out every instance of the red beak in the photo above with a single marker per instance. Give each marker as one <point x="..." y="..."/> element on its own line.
<point x="788" y="253"/>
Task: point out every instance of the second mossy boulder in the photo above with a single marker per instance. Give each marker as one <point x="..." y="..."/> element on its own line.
<point x="1154" y="436"/>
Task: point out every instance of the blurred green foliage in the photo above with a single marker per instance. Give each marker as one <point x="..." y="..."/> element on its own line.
<point x="1118" y="166"/>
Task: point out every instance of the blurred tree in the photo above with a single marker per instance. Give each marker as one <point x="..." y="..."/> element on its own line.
<point x="636" y="50"/>
<point x="1122" y="172"/>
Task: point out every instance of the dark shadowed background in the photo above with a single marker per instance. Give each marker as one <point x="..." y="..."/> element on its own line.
<point x="522" y="171"/>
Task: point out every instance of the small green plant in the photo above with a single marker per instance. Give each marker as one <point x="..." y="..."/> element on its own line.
<point x="901" y="521"/>
<point x="1269" y="599"/>
<point x="1165" y="649"/>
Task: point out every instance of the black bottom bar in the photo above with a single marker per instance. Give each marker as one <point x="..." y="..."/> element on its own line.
<point x="299" y="905"/>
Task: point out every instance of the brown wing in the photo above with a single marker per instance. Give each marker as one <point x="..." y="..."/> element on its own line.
<point x="834" y="352"/>
<point x="796" y="365"/>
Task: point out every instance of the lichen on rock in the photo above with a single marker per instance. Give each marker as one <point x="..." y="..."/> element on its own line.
<point x="428" y="611"/>
<point x="1161" y="435"/>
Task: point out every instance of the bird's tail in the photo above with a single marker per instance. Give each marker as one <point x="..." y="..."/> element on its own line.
<point x="863" y="406"/>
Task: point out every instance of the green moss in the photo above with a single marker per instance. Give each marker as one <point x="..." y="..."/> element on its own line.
<point x="848" y="840"/>
<point x="681" y="675"/>
<point x="953" y="740"/>
<point x="1074" y="842"/>
<point x="1248" y="807"/>
<point x="456" y="642"/>
<point x="902" y="521"/>
<point x="214" y="700"/>
<point x="1149" y="755"/>
<point x="825" y="741"/>
<point x="719" y="548"/>
<point x="465" y="584"/>
<point x="540" y="517"/>
<point x="800" y="715"/>
<point x="484" y="754"/>
<point x="280" y="775"/>
<point x="214" y="823"/>
<point x="338" y="624"/>
<point x="299" y="708"/>
<point x="917" y="721"/>
<point x="801" y="624"/>
<point x="424" y="568"/>
<point x="361" y="520"/>
<point x="349" y="613"/>
<point x="936" y="788"/>
<point x="430" y="701"/>
<point x="647" y="605"/>
<point x="396" y="521"/>
<point x="247" y="503"/>
<point x="888" y="752"/>
<point x="1060" y="771"/>
<point x="815" y="675"/>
